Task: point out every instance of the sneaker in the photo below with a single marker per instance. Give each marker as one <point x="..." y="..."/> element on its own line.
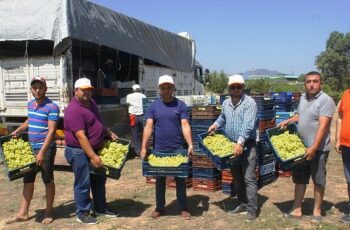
<point x="107" y="214"/>
<point x="345" y="219"/>
<point x="240" y="209"/>
<point x="251" y="216"/>
<point x="185" y="215"/>
<point x="86" y="219"/>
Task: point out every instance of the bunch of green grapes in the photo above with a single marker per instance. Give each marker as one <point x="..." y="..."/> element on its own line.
<point x="113" y="154"/>
<point x="17" y="153"/>
<point x="288" y="145"/>
<point x="219" y="145"/>
<point x="168" y="161"/>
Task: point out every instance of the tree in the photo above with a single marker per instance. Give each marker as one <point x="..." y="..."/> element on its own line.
<point x="259" y="85"/>
<point x="334" y="62"/>
<point x="217" y="82"/>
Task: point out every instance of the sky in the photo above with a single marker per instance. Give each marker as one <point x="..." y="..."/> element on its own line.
<point x="235" y="36"/>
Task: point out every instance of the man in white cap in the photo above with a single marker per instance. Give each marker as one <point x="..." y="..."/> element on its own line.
<point x="167" y="119"/>
<point x="84" y="136"/>
<point x="238" y="118"/>
<point x="134" y="100"/>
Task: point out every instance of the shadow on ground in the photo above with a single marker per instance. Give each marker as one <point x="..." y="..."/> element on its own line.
<point x="307" y="206"/>
<point x="231" y="203"/>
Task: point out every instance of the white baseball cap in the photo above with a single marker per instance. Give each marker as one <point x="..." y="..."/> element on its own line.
<point x="166" y="79"/>
<point x="135" y="87"/>
<point x="83" y="83"/>
<point x="236" y="79"/>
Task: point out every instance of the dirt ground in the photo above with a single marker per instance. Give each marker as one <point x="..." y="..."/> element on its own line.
<point x="135" y="200"/>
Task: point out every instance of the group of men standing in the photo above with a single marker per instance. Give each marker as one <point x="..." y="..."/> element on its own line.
<point x="167" y="120"/>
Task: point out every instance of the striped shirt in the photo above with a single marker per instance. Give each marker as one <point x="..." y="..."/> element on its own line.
<point x="239" y="121"/>
<point x="38" y="117"/>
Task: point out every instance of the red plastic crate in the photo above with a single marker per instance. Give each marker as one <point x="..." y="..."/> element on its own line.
<point x="170" y="182"/>
<point x="266" y="124"/>
<point x="206" y="185"/>
<point x="227" y="176"/>
<point x="150" y="180"/>
<point x="202" y="161"/>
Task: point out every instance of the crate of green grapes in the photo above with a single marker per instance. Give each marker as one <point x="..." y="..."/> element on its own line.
<point x="113" y="156"/>
<point x="287" y="145"/>
<point x="219" y="149"/>
<point x="176" y="164"/>
<point x="18" y="155"/>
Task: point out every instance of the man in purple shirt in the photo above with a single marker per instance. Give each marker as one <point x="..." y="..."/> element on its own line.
<point x="168" y="117"/>
<point x="84" y="136"/>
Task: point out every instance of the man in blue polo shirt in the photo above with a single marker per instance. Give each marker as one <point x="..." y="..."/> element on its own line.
<point x="42" y="120"/>
<point x="168" y="118"/>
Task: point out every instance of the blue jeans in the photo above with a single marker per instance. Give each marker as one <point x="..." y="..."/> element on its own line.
<point x="84" y="180"/>
<point x="245" y="178"/>
<point x="136" y="132"/>
<point x="180" y="193"/>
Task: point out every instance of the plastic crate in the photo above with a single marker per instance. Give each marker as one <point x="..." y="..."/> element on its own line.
<point x="282" y="96"/>
<point x="266" y="179"/>
<point x="204" y="123"/>
<point x="171" y="183"/>
<point x="266" y="124"/>
<point x="267" y="168"/>
<point x="219" y="162"/>
<point x="20" y="171"/>
<point x="229" y="189"/>
<point x="206" y="173"/>
<point x="226" y="176"/>
<point x="206" y="185"/>
<point x="150" y="180"/>
<point x="109" y="171"/>
<point x="205" y="112"/>
<point x="266" y="114"/>
<point x="285" y="164"/>
<point x="180" y="171"/>
<point x="202" y="161"/>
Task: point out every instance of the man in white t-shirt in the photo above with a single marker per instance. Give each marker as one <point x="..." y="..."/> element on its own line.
<point x="134" y="100"/>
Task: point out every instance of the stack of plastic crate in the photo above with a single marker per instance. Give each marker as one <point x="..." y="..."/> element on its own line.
<point x="227" y="182"/>
<point x="202" y="117"/>
<point x="283" y="101"/>
<point x="295" y="101"/>
<point x="266" y="164"/>
<point x="265" y="115"/>
<point x="205" y="176"/>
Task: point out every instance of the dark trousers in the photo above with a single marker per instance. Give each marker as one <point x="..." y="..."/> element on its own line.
<point x="136" y="132"/>
<point x="346" y="163"/>
<point x="245" y="178"/>
<point x="180" y="192"/>
<point x="84" y="181"/>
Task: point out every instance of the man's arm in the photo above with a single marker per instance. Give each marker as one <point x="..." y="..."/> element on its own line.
<point x="337" y="132"/>
<point x="293" y="119"/>
<point x="325" y="122"/>
<point x="88" y="150"/>
<point x="186" y="131"/>
<point x="52" y="126"/>
<point x="21" y="128"/>
<point x="147" y="132"/>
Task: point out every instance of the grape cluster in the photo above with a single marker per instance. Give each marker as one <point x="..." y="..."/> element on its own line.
<point x="288" y="145"/>
<point x="113" y="154"/>
<point x="219" y="145"/>
<point x="17" y="153"/>
<point x="168" y="161"/>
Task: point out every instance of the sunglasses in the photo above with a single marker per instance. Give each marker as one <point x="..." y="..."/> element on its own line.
<point x="233" y="87"/>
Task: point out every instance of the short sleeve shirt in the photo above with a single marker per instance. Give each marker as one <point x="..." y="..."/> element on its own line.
<point x="344" y="108"/>
<point x="309" y="112"/>
<point x="167" y="117"/>
<point x="38" y="117"/>
<point x="80" y="117"/>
